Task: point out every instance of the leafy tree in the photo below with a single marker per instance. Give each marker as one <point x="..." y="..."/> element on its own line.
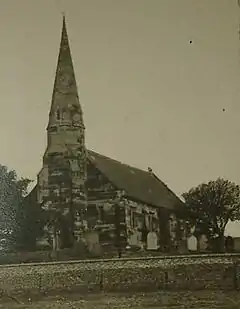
<point x="30" y="221"/>
<point x="211" y="206"/>
<point x="14" y="211"/>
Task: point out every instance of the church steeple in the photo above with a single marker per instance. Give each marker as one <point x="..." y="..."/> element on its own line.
<point x="61" y="183"/>
<point x="65" y="107"/>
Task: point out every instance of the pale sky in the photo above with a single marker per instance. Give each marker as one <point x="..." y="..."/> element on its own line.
<point x="150" y="98"/>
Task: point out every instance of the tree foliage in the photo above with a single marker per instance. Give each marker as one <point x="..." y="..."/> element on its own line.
<point x="30" y="221"/>
<point x="212" y="205"/>
<point x="17" y="218"/>
<point x="12" y="192"/>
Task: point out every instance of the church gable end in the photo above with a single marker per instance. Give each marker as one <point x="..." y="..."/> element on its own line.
<point x="140" y="222"/>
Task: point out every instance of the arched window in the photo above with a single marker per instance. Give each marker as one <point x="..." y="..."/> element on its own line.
<point x="58" y="113"/>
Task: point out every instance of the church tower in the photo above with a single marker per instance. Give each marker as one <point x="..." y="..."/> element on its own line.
<point x="61" y="182"/>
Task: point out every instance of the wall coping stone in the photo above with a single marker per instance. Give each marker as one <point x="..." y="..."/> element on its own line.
<point x="174" y="258"/>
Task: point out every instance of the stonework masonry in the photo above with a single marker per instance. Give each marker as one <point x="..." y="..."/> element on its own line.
<point x="90" y="198"/>
<point x="190" y="273"/>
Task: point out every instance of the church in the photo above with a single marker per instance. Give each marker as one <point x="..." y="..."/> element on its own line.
<point x="91" y="198"/>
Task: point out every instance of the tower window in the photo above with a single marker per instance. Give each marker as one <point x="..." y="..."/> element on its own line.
<point x="58" y="114"/>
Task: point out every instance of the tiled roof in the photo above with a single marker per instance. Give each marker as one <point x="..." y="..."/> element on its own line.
<point x="138" y="184"/>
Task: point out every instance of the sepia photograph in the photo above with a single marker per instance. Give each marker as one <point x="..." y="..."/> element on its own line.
<point x="120" y="154"/>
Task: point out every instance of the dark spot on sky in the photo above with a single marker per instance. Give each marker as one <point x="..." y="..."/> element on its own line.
<point x="190" y="42"/>
<point x="223" y="110"/>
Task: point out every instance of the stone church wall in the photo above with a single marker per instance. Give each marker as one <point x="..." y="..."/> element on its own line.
<point x="105" y="210"/>
<point x="139" y="226"/>
<point x="136" y="219"/>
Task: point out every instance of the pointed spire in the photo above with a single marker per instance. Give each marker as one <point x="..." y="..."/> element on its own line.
<point x="64" y="38"/>
<point x="65" y="103"/>
<point x="65" y="76"/>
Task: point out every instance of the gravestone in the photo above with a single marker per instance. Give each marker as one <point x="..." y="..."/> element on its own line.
<point x="192" y="243"/>
<point x="229" y="244"/>
<point x="182" y="246"/>
<point x="152" y="241"/>
<point x="236" y="242"/>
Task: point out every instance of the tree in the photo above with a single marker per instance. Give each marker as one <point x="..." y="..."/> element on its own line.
<point x="12" y="206"/>
<point x="30" y="220"/>
<point x="211" y="206"/>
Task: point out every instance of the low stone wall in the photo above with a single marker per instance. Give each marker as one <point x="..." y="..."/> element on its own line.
<point x="118" y="275"/>
<point x="75" y="255"/>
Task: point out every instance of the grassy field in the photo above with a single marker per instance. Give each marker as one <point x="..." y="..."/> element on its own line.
<point x="162" y="300"/>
